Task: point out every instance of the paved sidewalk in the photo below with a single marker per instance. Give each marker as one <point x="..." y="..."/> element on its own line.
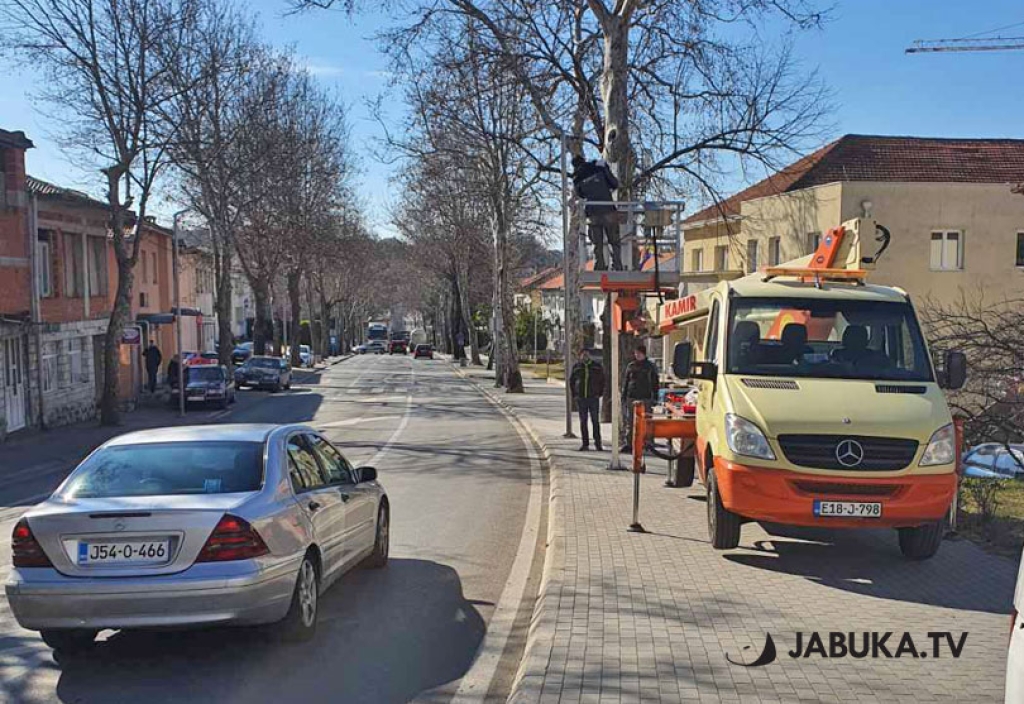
<point x="624" y="617"/>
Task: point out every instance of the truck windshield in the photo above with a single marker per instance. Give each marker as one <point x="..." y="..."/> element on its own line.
<point x="836" y="339"/>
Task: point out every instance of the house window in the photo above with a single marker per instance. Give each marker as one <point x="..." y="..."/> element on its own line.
<point x="774" y="251"/>
<point x="143" y="300"/>
<point x="145" y="268"/>
<point x="74" y="286"/>
<point x="751" y="256"/>
<point x="154" y="267"/>
<point x="1020" y="249"/>
<point x="51" y="364"/>
<point x="813" y="240"/>
<point x="79" y="373"/>
<point x="44" y="268"/>
<point x="97" y="266"/>
<point x="721" y="257"/>
<point x="947" y="251"/>
<point x="697" y="259"/>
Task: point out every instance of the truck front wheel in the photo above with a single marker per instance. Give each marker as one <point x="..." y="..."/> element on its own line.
<point x="921" y="542"/>
<point x="723" y="524"/>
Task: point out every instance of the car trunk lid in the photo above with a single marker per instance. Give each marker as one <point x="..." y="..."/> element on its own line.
<point x="128" y="536"/>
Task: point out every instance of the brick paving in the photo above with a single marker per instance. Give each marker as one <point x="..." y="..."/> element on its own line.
<point x="623" y="617"/>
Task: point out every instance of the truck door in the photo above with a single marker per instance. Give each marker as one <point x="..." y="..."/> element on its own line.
<point x="706" y="395"/>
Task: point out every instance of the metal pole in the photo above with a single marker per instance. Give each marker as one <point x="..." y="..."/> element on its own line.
<point x="535" y="314"/>
<point x="635" y="526"/>
<point x="567" y="343"/>
<point x="177" y="316"/>
<point x="616" y="392"/>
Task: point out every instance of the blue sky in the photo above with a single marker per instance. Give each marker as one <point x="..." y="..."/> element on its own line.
<point x="878" y="89"/>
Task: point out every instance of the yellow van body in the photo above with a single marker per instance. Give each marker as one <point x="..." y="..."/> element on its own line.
<point x="848" y="441"/>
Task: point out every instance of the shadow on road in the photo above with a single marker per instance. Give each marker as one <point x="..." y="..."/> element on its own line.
<point x="383" y="636"/>
<point x="960" y="576"/>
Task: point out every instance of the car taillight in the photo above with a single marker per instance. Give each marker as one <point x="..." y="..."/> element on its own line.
<point x="25" y="549"/>
<point x="232" y="539"/>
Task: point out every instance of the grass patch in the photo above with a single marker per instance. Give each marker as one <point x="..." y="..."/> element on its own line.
<point x="992" y="513"/>
<point x="541" y="371"/>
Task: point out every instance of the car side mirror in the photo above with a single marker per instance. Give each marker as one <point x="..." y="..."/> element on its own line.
<point x="954" y="373"/>
<point x="705" y="371"/>
<point x="682" y="355"/>
<point x="366" y="474"/>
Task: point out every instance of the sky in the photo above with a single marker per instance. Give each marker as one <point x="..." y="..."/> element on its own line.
<point x="878" y="89"/>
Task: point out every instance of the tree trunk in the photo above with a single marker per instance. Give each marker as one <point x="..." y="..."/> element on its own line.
<point x="263" y="326"/>
<point x="458" y="350"/>
<point x="294" y="280"/>
<point x="512" y="377"/>
<point x="467" y="316"/>
<point x="222" y="301"/>
<point x="109" y="412"/>
<point x="618" y="148"/>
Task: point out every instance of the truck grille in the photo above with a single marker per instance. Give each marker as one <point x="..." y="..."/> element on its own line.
<point x="823" y="452"/>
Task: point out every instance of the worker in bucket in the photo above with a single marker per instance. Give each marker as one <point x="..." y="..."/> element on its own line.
<point x="594" y="182"/>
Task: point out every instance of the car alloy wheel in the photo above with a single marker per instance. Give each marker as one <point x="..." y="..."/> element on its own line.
<point x="307" y="594"/>
<point x="382" y="543"/>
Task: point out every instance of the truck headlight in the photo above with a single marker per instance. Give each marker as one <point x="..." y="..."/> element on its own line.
<point x="745" y="438"/>
<point x="941" y="448"/>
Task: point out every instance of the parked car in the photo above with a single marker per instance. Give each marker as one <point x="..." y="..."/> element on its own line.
<point x="208" y="383"/>
<point x="1015" y="653"/>
<point x="376" y="347"/>
<point x="306" y="355"/>
<point x="398" y="347"/>
<point x="423" y="351"/>
<point x="360" y="349"/>
<point x="992" y="460"/>
<point x="241" y="353"/>
<point x="200" y="358"/>
<point x="195" y="526"/>
<point x="262" y="372"/>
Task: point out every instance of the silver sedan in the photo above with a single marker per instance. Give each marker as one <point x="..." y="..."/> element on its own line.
<point x="229" y="524"/>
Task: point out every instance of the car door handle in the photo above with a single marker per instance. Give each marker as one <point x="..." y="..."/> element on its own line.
<point x="313" y="506"/>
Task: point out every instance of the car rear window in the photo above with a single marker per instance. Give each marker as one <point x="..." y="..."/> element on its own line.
<point x="160" y="469"/>
<point x="265" y="363"/>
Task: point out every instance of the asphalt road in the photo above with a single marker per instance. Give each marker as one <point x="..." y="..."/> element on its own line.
<point x="459" y="481"/>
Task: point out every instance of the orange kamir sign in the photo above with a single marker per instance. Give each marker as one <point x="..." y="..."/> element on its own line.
<point x="681" y="306"/>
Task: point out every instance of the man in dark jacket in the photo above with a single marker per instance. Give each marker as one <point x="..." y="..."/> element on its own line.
<point x="153" y="359"/>
<point x="587" y="384"/>
<point x="594" y="181"/>
<point x="640" y="384"/>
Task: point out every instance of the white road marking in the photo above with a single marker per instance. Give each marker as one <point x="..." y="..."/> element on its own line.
<point x="354" y="421"/>
<point x="382" y="452"/>
<point x="477" y="680"/>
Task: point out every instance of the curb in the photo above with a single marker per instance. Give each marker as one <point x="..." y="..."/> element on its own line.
<point x="529" y="679"/>
<point x="341" y="359"/>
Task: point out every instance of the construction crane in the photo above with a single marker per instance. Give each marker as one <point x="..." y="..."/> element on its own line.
<point x="922" y="46"/>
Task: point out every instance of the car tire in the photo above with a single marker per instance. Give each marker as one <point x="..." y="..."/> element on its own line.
<point x="723" y="525"/>
<point x="921" y="542"/>
<point x="239" y="386"/>
<point x="299" y="624"/>
<point x="275" y="388"/>
<point x="382" y="541"/>
<point x="69" y="640"/>
<point x="224" y="403"/>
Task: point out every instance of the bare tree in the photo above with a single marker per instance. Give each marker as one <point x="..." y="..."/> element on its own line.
<point x="109" y="65"/>
<point x="211" y="132"/>
<point x="991" y="334"/>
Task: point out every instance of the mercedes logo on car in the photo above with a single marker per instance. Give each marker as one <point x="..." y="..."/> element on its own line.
<point x="849" y="453"/>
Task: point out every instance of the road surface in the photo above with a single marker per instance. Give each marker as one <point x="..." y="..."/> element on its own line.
<point x="459" y="480"/>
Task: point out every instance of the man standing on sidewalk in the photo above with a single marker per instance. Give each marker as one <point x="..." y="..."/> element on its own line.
<point x="153" y="359"/>
<point x="587" y="384"/>
<point x="640" y="384"/>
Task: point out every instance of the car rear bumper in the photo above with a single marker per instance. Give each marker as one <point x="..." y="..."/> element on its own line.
<point x="242" y="593"/>
<point x="781" y="496"/>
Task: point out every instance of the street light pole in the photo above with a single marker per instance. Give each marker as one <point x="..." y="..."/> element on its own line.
<point x="177" y="315"/>
<point x="567" y="352"/>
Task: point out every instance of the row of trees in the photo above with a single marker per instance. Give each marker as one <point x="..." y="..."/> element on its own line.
<point x="183" y="93"/>
<point x="673" y="95"/>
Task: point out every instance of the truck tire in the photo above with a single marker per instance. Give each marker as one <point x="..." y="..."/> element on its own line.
<point x="921" y="542"/>
<point x="723" y="524"/>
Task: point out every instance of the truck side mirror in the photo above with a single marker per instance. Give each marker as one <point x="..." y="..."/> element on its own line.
<point x="682" y="355"/>
<point x="954" y="373"/>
